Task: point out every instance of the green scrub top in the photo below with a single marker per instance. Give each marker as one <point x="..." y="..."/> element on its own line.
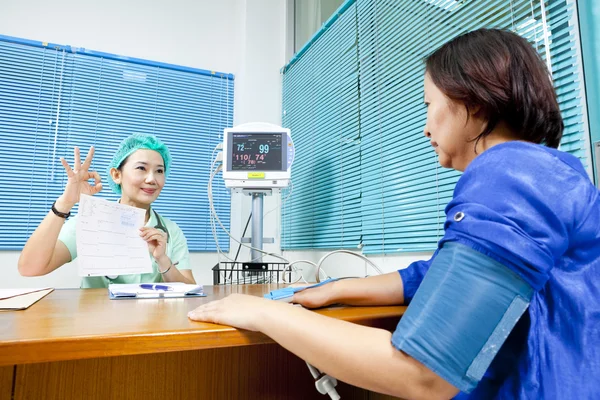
<point x="177" y="250"/>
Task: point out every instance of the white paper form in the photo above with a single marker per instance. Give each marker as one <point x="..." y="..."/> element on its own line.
<point x="108" y="239"/>
<point x="8" y="293"/>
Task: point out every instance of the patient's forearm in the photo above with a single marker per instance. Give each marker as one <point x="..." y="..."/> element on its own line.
<point x="384" y="289"/>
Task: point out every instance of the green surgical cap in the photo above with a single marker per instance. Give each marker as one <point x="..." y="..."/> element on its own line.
<point x="133" y="143"/>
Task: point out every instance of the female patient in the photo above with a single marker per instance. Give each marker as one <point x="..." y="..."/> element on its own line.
<point x="508" y="307"/>
<point x="137" y="172"/>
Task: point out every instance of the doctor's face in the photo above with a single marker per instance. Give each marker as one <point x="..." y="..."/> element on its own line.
<point x="142" y="177"/>
<point x="448" y="129"/>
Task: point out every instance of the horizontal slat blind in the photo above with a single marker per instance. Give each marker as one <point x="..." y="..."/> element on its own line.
<point x="565" y="55"/>
<point x="409" y="189"/>
<point x="324" y="210"/>
<point x="104" y="100"/>
<point x="29" y="87"/>
<point x="403" y="190"/>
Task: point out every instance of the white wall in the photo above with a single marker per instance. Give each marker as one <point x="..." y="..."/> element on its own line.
<point x="341" y="265"/>
<point x="195" y="33"/>
<point x="258" y="98"/>
<point x="243" y="37"/>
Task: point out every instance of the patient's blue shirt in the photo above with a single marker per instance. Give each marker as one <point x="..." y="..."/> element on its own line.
<point x="534" y="210"/>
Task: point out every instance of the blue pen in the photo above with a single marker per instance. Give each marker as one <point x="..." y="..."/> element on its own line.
<point x="151" y="286"/>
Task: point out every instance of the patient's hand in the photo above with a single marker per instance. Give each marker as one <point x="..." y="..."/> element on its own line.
<point x="319" y="296"/>
<point x="237" y="310"/>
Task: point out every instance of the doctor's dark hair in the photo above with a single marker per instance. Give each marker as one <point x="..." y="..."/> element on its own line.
<point x="502" y="74"/>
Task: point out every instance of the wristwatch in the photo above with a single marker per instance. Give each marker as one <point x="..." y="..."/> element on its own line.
<point x="58" y="213"/>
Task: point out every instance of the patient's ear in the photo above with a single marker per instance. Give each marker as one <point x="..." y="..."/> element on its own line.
<point x="115" y="174"/>
<point x="475" y="111"/>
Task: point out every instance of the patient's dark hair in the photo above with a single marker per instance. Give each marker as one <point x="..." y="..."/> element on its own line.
<point x="500" y="72"/>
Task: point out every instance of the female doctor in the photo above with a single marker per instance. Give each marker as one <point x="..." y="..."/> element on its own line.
<point x="137" y="172"/>
<point x="508" y="307"/>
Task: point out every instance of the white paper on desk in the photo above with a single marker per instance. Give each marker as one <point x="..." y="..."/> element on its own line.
<point x="108" y="239"/>
<point x="7" y="293"/>
<point x="23" y="301"/>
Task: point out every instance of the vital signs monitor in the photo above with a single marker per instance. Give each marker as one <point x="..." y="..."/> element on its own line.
<point x="257" y="155"/>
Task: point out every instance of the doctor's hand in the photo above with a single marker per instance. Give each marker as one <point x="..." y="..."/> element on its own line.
<point x="78" y="180"/>
<point x="237" y="310"/>
<point x="157" y="241"/>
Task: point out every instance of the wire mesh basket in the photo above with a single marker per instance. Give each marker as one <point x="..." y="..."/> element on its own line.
<point x="241" y="273"/>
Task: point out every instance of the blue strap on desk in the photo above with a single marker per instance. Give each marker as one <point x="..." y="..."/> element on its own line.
<point x="287" y="293"/>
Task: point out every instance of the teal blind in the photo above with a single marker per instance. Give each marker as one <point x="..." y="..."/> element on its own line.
<point x="321" y="109"/>
<point x="54" y="98"/>
<point x="401" y="188"/>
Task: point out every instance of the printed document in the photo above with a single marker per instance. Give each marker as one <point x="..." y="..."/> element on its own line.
<point x="108" y="239"/>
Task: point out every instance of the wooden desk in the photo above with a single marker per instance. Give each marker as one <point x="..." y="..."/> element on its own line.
<point x="78" y="344"/>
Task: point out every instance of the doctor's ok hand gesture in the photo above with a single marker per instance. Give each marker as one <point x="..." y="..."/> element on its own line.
<point x="78" y="180"/>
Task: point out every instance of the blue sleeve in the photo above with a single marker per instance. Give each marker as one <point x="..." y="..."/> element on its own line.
<point x="412" y="276"/>
<point x="518" y="207"/>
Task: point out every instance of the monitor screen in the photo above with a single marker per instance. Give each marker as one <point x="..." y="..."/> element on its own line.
<point x="256" y="151"/>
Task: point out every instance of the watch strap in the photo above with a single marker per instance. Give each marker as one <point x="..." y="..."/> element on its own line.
<point x="58" y="213"/>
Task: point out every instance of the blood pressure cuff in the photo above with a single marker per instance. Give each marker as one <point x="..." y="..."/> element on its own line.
<point x="461" y="314"/>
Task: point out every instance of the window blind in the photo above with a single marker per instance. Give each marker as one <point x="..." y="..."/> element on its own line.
<point x="56" y="97"/>
<point x="401" y="188"/>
